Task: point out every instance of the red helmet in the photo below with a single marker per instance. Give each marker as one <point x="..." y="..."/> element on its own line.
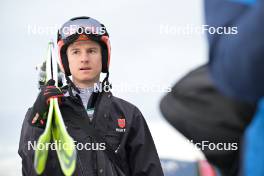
<point x="77" y="29"/>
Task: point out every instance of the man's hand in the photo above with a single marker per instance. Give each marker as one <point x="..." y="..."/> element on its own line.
<point x="41" y="105"/>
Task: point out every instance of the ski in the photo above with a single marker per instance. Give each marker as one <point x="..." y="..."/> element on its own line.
<point x="67" y="152"/>
<point x="55" y="129"/>
<point x="41" y="154"/>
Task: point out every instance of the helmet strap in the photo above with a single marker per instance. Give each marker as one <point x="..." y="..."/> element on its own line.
<point x="106" y="83"/>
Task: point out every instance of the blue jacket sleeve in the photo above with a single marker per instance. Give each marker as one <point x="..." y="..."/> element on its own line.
<point x="237" y="61"/>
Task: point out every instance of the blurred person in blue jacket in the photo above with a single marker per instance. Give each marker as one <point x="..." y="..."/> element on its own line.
<point x="236" y="63"/>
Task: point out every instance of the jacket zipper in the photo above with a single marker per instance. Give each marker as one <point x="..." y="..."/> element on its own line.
<point x="91" y="122"/>
<point x="78" y="100"/>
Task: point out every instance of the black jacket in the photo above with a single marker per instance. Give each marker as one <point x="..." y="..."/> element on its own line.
<point x="201" y="113"/>
<point x="134" y="142"/>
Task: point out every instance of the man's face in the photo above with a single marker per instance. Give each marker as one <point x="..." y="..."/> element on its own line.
<point x="85" y="62"/>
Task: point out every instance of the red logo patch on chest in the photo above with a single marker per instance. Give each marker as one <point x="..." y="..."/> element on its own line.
<point x="121" y="123"/>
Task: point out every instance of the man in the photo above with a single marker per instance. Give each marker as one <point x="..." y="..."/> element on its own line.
<point x="84" y="51"/>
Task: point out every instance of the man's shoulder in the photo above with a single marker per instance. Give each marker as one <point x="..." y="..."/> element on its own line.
<point x="125" y="105"/>
<point x="123" y="102"/>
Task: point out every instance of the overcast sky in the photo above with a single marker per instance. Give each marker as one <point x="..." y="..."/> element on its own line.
<point x="147" y="50"/>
